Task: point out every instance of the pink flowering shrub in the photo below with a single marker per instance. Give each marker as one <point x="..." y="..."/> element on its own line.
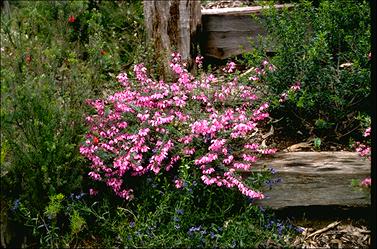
<point x="150" y="126"/>
<point x="364" y="151"/>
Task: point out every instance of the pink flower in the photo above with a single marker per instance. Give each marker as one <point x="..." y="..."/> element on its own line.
<point x="178" y="183"/>
<point x="244" y="166"/>
<point x="95" y="176"/>
<point x="230" y="67"/>
<point x="283" y="97"/>
<point x="254" y="78"/>
<point x="367" y="132"/>
<point x="296" y="87"/>
<point x="228" y="160"/>
<point x="93" y="192"/>
<point x="188" y="151"/>
<point x="123" y="79"/>
<point x="251" y="146"/>
<point x="249" y="158"/>
<point x="210" y="157"/>
<point x="367" y="182"/>
<point x="217" y="144"/>
<point x="199" y="61"/>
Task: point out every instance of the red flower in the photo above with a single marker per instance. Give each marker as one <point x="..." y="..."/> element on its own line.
<point x="71" y="19"/>
<point x="103" y="52"/>
<point x="95" y="140"/>
<point x="28" y="58"/>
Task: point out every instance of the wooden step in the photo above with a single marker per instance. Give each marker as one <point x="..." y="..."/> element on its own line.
<point x="316" y="179"/>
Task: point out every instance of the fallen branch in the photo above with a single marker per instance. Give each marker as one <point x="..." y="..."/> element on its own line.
<point x="332" y="225"/>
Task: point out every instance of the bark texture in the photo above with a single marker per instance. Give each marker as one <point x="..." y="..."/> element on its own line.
<point x="172" y="25"/>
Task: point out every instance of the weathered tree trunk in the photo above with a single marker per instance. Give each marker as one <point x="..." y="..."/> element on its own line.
<point x="172" y="25"/>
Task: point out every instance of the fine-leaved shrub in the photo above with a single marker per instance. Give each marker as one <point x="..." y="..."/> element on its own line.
<point x="325" y="47"/>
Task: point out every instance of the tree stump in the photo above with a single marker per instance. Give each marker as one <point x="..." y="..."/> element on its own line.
<point x="172" y="25"/>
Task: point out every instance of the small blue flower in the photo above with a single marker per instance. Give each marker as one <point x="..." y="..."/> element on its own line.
<point x="280" y="229"/>
<point x="132" y="224"/>
<point x="272" y="170"/>
<point x="176" y="219"/>
<point x="177" y="226"/>
<point x="193" y="229"/>
<point x="16" y="204"/>
<point x="179" y="211"/>
<point x="212" y="234"/>
<point x="79" y="196"/>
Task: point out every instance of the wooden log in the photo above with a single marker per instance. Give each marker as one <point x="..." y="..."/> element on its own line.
<point x="316" y="179"/>
<point x="227" y="32"/>
<point x="172" y="26"/>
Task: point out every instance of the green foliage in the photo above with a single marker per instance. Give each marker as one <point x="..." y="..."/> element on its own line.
<point x="317" y="143"/>
<point x="55" y="205"/>
<point x="195" y="216"/>
<point x="326" y="49"/>
<point x="49" y="67"/>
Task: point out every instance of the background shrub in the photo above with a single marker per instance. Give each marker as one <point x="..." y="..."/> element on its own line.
<point x="325" y="48"/>
<point x="54" y="55"/>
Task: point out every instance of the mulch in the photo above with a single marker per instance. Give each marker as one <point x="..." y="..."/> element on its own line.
<point x="334" y="235"/>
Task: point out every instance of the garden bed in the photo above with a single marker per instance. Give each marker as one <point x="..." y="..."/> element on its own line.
<point x="152" y="163"/>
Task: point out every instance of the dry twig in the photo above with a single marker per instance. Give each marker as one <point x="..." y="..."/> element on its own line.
<point x="332" y="225"/>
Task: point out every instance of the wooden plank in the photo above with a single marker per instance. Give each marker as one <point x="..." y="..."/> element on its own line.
<point x="227" y="31"/>
<point x="227" y="41"/>
<point x="230" y="23"/>
<point x="316" y="179"/>
<point x="241" y="10"/>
